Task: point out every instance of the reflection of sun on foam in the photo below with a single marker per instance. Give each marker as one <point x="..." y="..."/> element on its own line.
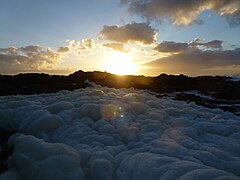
<point x="120" y="63"/>
<point x="111" y="111"/>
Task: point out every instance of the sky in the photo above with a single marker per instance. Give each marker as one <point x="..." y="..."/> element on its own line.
<point x="141" y="37"/>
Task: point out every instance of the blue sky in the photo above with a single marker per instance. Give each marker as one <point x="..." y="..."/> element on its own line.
<point x="50" y="23"/>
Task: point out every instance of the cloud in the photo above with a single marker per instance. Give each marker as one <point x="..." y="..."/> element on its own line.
<point x="63" y="49"/>
<point x="171" y="46"/>
<point x="88" y="43"/>
<point x="177" y="47"/>
<point x="184" y="12"/>
<point x="29" y="58"/>
<point x="214" y="44"/>
<point x="78" y="46"/>
<point x="196" y="61"/>
<point x="30" y="49"/>
<point x="9" y="50"/>
<point x="34" y="58"/>
<point x="136" y="32"/>
<point x="116" y="46"/>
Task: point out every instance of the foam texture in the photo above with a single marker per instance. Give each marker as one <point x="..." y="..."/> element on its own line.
<point x="122" y="134"/>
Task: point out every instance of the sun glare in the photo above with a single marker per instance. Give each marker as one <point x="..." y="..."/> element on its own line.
<point x="120" y="63"/>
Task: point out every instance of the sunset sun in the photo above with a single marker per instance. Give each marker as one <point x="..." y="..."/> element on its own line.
<point x="120" y="63"/>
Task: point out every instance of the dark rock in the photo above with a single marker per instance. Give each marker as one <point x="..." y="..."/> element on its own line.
<point x="5" y="151"/>
<point x="219" y="87"/>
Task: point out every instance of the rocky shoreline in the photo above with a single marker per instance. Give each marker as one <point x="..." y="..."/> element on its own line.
<point x="208" y="91"/>
<point x="224" y="92"/>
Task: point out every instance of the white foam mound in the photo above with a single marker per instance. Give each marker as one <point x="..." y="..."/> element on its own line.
<point x="122" y="134"/>
<point x="35" y="159"/>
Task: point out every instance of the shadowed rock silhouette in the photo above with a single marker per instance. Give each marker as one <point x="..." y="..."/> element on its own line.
<point x="223" y="89"/>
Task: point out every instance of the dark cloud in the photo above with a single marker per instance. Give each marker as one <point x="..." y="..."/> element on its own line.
<point x="10" y="50"/>
<point x="116" y="46"/>
<point x="177" y="47"/>
<point x="184" y="12"/>
<point x="234" y="20"/>
<point x="30" y="49"/>
<point x="230" y="9"/>
<point x="171" y="46"/>
<point x="196" y="62"/>
<point x="63" y="49"/>
<point x="29" y="58"/>
<point x="136" y="32"/>
<point x="214" y="44"/>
